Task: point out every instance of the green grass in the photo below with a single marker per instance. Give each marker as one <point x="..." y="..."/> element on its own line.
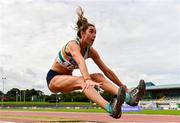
<point x="97" y="110"/>
<point x="76" y="104"/>
<point x="57" y="110"/>
<point x="46" y="104"/>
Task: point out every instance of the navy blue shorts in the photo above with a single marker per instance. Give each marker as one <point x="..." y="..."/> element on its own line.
<point x="51" y="74"/>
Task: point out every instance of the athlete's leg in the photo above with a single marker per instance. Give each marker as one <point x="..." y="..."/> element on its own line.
<point x="137" y="93"/>
<point x="132" y="97"/>
<point x="67" y="83"/>
<point x="106" y="85"/>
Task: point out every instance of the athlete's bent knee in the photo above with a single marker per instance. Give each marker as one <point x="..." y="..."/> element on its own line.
<point x="97" y="76"/>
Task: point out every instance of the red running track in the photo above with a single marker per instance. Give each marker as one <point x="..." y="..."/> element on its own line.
<point x="86" y="117"/>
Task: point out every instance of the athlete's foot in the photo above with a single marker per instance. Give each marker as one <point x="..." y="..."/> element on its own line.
<point x="117" y="103"/>
<point x="137" y="93"/>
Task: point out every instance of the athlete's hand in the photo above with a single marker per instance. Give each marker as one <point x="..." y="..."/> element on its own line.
<point x="89" y="83"/>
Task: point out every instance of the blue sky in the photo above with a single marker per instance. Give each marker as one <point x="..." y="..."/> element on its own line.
<point x="137" y="39"/>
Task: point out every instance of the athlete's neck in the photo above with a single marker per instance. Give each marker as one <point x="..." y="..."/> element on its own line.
<point x="83" y="45"/>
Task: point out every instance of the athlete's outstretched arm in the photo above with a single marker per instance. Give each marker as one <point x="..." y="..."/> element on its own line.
<point x="107" y="71"/>
<point x="74" y="49"/>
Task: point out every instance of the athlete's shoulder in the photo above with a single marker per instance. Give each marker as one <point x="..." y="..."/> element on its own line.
<point x="92" y="49"/>
<point x="73" y="41"/>
<point x="93" y="53"/>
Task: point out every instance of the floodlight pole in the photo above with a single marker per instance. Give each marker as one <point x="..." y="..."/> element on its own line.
<point x="2" y="99"/>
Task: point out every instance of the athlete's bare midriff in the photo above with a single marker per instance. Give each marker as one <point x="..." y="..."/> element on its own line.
<point x="60" y="69"/>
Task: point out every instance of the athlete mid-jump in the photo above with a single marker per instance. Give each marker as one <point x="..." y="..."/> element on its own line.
<point x="73" y="55"/>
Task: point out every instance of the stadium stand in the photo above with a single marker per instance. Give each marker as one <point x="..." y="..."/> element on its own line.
<point x="161" y="96"/>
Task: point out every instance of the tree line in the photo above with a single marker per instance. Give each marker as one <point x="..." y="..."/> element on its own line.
<point x="18" y="95"/>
